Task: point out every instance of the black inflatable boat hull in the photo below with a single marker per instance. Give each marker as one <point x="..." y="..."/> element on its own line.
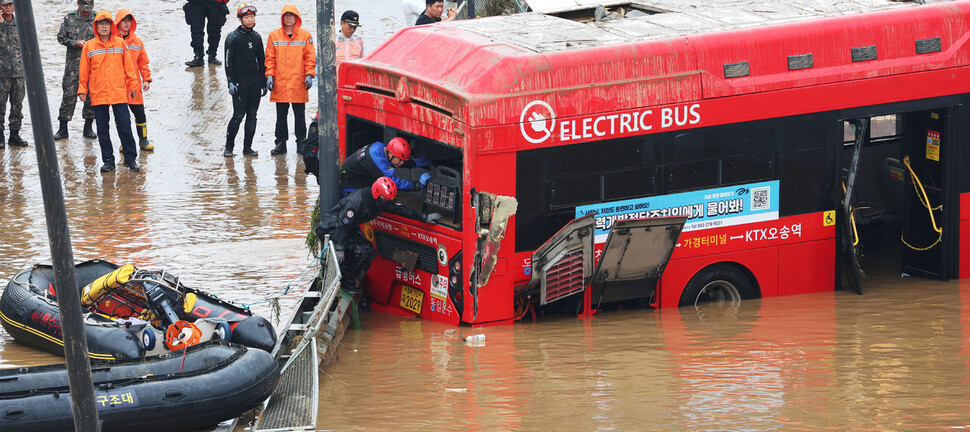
<point x="218" y="381"/>
<point x="28" y="316"/>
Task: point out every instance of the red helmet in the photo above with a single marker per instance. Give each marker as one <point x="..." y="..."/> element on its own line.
<point x="384" y="187"/>
<point x="399" y="147"/>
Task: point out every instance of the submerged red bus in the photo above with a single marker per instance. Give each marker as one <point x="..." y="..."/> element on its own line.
<point x="740" y="127"/>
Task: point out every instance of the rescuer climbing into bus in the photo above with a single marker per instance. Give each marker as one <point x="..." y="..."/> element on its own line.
<point x="342" y="224"/>
<point x="379" y="160"/>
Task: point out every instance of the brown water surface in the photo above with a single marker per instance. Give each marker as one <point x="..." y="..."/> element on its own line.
<point x="895" y="359"/>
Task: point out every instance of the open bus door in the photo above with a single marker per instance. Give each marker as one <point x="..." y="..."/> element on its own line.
<point x="929" y="193"/>
<point x="900" y="195"/>
<point x="850" y="235"/>
<point x="633" y="258"/>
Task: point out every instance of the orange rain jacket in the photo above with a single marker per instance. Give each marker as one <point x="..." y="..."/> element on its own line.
<point x="107" y="73"/>
<point x="136" y="49"/>
<point x="289" y="59"/>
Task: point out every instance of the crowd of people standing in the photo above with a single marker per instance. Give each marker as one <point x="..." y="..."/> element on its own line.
<point x="107" y="70"/>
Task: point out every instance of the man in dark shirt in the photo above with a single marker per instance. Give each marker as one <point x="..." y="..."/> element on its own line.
<point x="433" y="10"/>
<point x="342" y="223"/>
<point x="245" y="71"/>
<point x="205" y="16"/>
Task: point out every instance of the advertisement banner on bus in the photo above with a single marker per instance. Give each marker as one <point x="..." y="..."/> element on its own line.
<point x="705" y="209"/>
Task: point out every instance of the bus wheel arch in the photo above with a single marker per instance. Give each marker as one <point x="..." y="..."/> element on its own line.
<point x="720" y="282"/>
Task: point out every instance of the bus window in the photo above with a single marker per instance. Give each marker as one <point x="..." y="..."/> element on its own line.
<point x="884" y="126"/>
<point x="806" y="162"/>
<point x="445" y="167"/>
<point x="551" y="182"/>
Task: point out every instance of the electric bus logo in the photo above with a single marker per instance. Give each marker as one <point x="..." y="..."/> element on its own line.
<point x="537" y="122"/>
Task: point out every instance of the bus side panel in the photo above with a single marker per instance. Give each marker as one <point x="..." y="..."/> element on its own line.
<point x="806" y="267"/>
<point x="763" y="263"/>
<point x="964" y="270"/>
<point x="496" y="297"/>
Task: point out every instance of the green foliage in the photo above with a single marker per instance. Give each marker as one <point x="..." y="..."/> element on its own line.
<point x="312" y="242"/>
<point x="275" y="310"/>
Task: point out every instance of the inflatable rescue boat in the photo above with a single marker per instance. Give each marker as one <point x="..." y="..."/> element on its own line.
<point x="208" y="383"/>
<point x="129" y="313"/>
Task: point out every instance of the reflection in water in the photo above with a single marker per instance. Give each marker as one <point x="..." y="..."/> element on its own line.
<point x="230" y="227"/>
<point x="826" y="361"/>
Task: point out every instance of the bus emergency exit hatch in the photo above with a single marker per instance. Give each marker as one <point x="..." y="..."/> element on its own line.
<point x="635" y="253"/>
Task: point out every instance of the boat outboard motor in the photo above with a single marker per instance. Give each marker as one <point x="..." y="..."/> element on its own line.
<point x="161" y="302"/>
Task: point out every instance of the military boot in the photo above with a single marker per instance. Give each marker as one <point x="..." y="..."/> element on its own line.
<point x="279" y="149"/>
<point x="61" y="131"/>
<point x="214" y="60"/>
<point x="16" y="140"/>
<point x="89" y="130"/>
<point x="196" y="62"/>
<point x="229" y="147"/>
<point x="143" y="142"/>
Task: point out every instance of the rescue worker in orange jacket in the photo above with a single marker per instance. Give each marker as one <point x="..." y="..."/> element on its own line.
<point x="107" y="76"/>
<point x="290" y="64"/>
<point x="126" y="24"/>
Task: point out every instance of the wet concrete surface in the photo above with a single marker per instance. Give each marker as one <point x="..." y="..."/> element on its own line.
<point x="233" y="226"/>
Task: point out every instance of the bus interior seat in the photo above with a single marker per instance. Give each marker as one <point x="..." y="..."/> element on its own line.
<point x="887" y="209"/>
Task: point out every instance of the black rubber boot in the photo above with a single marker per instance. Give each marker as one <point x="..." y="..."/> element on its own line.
<point x="15" y="139"/>
<point x="89" y="130"/>
<point x="61" y="131"/>
<point x="196" y="62"/>
<point x="143" y="142"/>
<point x="279" y="149"/>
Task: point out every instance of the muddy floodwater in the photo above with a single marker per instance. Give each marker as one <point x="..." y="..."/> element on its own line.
<point x="895" y="359"/>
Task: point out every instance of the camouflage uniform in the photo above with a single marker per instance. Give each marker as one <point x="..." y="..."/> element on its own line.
<point x="74" y="28"/>
<point x="11" y="77"/>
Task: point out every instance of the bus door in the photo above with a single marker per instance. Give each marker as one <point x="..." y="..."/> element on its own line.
<point x="850" y="210"/>
<point x="925" y="158"/>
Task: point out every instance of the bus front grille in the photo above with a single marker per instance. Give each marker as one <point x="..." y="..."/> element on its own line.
<point x="565" y="278"/>
<point x="387" y="244"/>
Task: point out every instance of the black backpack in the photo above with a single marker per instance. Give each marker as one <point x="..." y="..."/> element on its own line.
<point x="311" y="152"/>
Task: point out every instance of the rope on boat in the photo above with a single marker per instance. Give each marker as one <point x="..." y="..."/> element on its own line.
<point x="308" y="273"/>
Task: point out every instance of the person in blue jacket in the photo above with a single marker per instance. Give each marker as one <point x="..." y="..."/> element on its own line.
<point x="379" y="160"/>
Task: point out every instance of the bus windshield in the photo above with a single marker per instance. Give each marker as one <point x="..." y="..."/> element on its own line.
<point x="441" y="193"/>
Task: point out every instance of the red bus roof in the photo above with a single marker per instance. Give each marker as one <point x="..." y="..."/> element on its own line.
<point x="483" y="71"/>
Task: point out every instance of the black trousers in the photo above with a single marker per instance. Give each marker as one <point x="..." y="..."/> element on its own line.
<point x="358" y="252"/>
<point x="197" y="12"/>
<point x="102" y="114"/>
<point x="299" y="121"/>
<point x="244" y="104"/>
<point x="139" y="112"/>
